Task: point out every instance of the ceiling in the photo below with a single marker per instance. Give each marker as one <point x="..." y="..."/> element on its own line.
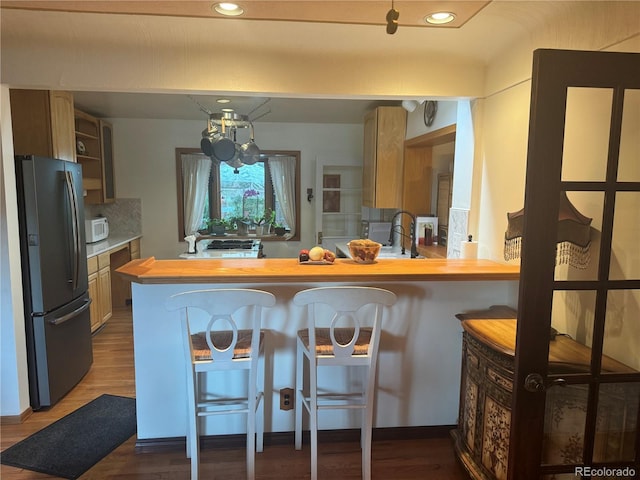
<point x="353" y="12"/>
<point x="195" y="107"/>
<point x="480" y="30"/>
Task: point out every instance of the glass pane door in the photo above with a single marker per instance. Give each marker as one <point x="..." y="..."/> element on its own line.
<point x="338" y="202"/>
<point x="578" y="391"/>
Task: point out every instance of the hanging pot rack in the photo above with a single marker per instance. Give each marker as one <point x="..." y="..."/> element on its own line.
<point x="222" y="129"/>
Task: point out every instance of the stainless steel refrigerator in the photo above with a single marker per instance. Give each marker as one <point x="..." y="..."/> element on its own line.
<point x="54" y="273"/>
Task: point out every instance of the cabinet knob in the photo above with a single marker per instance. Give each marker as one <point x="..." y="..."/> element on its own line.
<point x="535" y="383"/>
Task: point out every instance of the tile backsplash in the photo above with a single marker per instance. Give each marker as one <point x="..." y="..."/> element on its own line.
<point x="124" y="215"/>
<point x="458" y="230"/>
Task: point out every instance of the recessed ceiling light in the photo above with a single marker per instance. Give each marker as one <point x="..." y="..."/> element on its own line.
<point x="440" y="18"/>
<point x="229" y="9"/>
<point x="223" y="100"/>
<point x="228" y="110"/>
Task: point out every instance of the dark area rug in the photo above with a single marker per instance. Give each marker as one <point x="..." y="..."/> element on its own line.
<point x="73" y="444"/>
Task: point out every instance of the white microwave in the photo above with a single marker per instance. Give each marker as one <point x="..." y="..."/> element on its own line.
<point x="96" y="229"/>
<point x="376" y="231"/>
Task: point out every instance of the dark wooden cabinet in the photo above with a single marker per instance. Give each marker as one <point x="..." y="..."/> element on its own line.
<point x="482" y="437"/>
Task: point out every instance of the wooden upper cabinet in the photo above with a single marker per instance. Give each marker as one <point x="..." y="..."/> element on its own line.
<point x="419" y="170"/>
<point x="382" y="174"/>
<point x="108" y="170"/>
<point x="418" y="173"/>
<point x="62" y="125"/>
<point x="43" y="123"/>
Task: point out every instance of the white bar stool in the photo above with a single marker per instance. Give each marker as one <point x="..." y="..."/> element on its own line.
<point x="213" y="341"/>
<point x="325" y="343"/>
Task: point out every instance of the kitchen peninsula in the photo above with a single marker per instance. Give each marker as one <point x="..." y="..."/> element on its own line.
<point x="419" y="364"/>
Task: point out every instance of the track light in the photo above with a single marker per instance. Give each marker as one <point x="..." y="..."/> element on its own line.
<point x="392" y="20"/>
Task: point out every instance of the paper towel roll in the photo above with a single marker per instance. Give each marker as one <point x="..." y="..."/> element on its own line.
<point x="468" y="249"/>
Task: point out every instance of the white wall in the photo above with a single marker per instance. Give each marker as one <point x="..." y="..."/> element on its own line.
<point x="501" y="164"/>
<point x="144" y="152"/>
<point x="446" y="115"/>
<point x="14" y="388"/>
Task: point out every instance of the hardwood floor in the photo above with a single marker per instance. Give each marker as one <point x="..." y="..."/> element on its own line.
<point x="112" y="372"/>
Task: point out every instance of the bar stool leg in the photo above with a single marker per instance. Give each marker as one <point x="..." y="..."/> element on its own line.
<point x="313" y="418"/>
<point x="299" y="397"/>
<point x="260" y="426"/>
<point x="193" y="430"/>
<point x="251" y="432"/>
<point x="367" y="423"/>
<point x="259" y="416"/>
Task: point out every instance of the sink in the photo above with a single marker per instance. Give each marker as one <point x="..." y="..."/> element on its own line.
<point x="393" y="252"/>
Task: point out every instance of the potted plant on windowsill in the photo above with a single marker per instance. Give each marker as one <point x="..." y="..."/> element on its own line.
<point x="232" y="224"/>
<point x="263" y="224"/>
<point x="244" y="225"/>
<point x="217" y="226"/>
<point x="279" y="229"/>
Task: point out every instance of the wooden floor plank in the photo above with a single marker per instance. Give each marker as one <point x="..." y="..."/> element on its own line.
<point x="113" y="372"/>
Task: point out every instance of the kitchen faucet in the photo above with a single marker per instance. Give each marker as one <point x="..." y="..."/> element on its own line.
<point x="402" y="234"/>
<point x="412" y="231"/>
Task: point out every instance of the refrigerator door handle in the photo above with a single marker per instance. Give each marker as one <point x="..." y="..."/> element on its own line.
<point x="70" y="315"/>
<point x="73" y="202"/>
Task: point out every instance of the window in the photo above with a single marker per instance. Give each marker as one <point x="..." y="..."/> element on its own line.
<point x="239" y="197"/>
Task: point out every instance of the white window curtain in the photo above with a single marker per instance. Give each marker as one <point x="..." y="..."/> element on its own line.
<point x="283" y="178"/>
<point x="195" y="180"/>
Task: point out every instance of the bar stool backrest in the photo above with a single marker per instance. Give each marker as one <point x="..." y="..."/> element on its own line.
<point x="222" y="334"/>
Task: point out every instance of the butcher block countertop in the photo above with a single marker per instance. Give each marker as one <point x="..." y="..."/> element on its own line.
<point x="565" y="354"/>
<point x="284" y="270"/>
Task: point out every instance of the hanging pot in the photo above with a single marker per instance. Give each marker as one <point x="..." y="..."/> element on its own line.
<point x="224" y="149"/>
<point x="206" y="147"/>
<point x="235" y="163"/>
<point x="205" y="143"/>
<point x="249" y="152"/>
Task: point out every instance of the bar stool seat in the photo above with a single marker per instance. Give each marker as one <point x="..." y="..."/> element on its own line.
<point x="324" y="345"/>
<point x="213" y="342"/>
<point x="343" y="329"/>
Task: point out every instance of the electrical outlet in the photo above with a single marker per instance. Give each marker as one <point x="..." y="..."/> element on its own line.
<point x="286" y="399"/>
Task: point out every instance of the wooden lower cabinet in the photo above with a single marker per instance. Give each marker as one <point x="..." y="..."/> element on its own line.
<point x="134" y="248"/>
<point x="99" y="290"/>
<point x="482" y="436"/>
<point x="94" y="309"/>
<point x="103" y="308"/>
<point x="106" y="289"/>
<point x="120" y="287"/>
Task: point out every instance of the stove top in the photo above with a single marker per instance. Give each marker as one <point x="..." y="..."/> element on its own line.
<point x="233" y="244"/>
